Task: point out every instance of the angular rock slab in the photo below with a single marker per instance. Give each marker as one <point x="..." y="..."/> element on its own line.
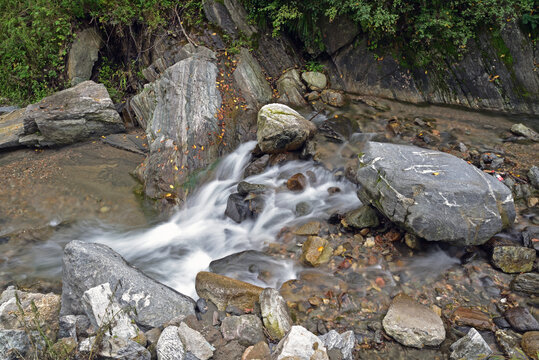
<point x="413" y="324"/>
<point x="170" y="346"/>
<point x="471" y="346"/>
<point x="275" y="315"/>
<point x="345" y="342"/>
<point x="437" y="196"/>
<point x="282" y="129"/>
<point x="86" y="265"/>
<point x="82" y="55"/>
<point x="251" y="80"/>
<point x="195" y="343"/>
<point x="300" y="343"/>
<point x="71" y="115"/>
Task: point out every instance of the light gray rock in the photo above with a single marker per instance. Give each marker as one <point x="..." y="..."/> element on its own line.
<point x="247" y="329"/>
<point x="275" y="315"/>
<point x="299" y="343"/>
<point x="472" y="346"/>
<point x="345" y="342"/>
<point x="413" y="324"/>
<point x="169" y="345"/>
<point x="16" y="342"/>
<point x="178" y="111"/>
<point x="315" y="80"/>
<point x="73" y="326"/>
<point x="103" y="309"/>
<point x="251" y="80"/>
<point x="72" y="115"/>
<point x="194" y="342"/>
<point x="533" y="175"/>
<point x="229" y="15"/>
<point x="11" y="128"/>
<point x="334" y="98"/>
<point x="82" y="55"/>
<point x="523" y="130"/>
<point x="434" y="195"/>
<point x="291" y="89"/>
<point x="282" y="129"/>
<point x="86" y="265"/>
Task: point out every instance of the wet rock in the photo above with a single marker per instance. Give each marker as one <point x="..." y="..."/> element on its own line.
<point x="316" y="251"/>
<point x="299" y="343"/>
<point x="521" y="319"/>
<point x="224" y="291"/>
<point x="310" y="228"/>
<point x="312" y="96"/>
<point x="472" y="346"/>
<point x="530" y="343"/>
<point x="86" y="265"/>
<point x="297" y="182"/>
<point x="16" y="343"/>
<point x="464" y="316"/>
<point x="509" y="342"/>
<point x="245" y="188"/>
<point x="291" y="89"/>
<point x="315" y="80"/>
<point x="311" y="283"/>
<point x="251" y="80"/>
<point x="71" y="115"/>
<point x="282" y="129"/>
<point x="501" y="322"/>
<point x="303" y="208"/>
<point x="260" y="351"/>
<point x="527" y="283"/>
<point x="344" y="342"/>
<point x="523" y="130"/>
<point x="22" y="316"/>
<point x="275" y="314"/>
<point x="195" y="343"/>
<point x="513" y="259"/>
<point x="11" y="127"/>
<point x="533" y="176"/>
<point x="82" y="55"/>
<point x="334" y="98"/>
<point x="433" y="194"/>
<point x="412" y="241"/>
<point x="237" y="208"/>
<point x="364" y="217"/>
<point x="247" y="329"/>
<point x="170" y="346"/>
<point x="257" y="166"/>
<point x="413" y="324"/>
<point x="104" y="310"/>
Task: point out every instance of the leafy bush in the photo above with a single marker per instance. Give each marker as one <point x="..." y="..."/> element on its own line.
<point x="420" y="29"/>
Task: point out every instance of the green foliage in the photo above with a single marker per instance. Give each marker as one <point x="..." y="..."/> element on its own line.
<point x="314" y="66"/>
<point x="114" y="77"/>
<point x="422" y="30"/>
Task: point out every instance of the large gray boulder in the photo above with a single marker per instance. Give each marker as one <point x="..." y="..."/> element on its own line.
<point x="437" y="196"/>
<point x="87" y="265"/>
<point x="282" y="129"/>
<point x="71" y="115"/>
<point x="82" y="56"/>
<point x="251" y="80"/>
<point x="291" y="89"/>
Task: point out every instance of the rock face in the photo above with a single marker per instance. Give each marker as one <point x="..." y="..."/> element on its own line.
<point x="465" y="82"/>
<point x="434" y="195"/>
<point x="471" y="346"/>
<point x="282" y="129"/>
<point x="251" y="80"/>
<point x="513" y="259"/>
<point x="82" y="56"/>
<point x="224" y="291"/>
<point x="413" y="324"/>
<point x="299" y="343"/>
<point x="86" y="265"/>
<point x="229" y="15"/>
<point x="275" y="315"/>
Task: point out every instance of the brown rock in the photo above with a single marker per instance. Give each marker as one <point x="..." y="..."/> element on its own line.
<point x="224" y="291"/>
<point x="310" y="228"/>
<point x="297" y="182"/>
<point x="316" y="251"/>
<point x="465" y="316"/>
<point x="259" y="351"/>
<point x="530" y="344"/>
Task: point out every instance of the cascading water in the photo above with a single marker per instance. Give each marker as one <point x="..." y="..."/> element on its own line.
<point x="175" y="251"/>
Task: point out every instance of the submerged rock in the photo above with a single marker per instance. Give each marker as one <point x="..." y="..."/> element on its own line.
<point x="530" y="343"/>
<point x="413" y="324"/>
<point x="299" y="343"/>
<point x="437" y="196"/>
<point x="513" y="259"/>
<point x="224" y="291"/>
<point x="86" y="265"/>
<point x="527" y="283"/>
<point x="297" y="182"/>
<point x="471" y="347"/>
<point x="465" y="316"/>
<point x="316" y="251"/>
<point x="282" y="129"/>
<point x="275" y="315"/>
<point x="521" y="319"/>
